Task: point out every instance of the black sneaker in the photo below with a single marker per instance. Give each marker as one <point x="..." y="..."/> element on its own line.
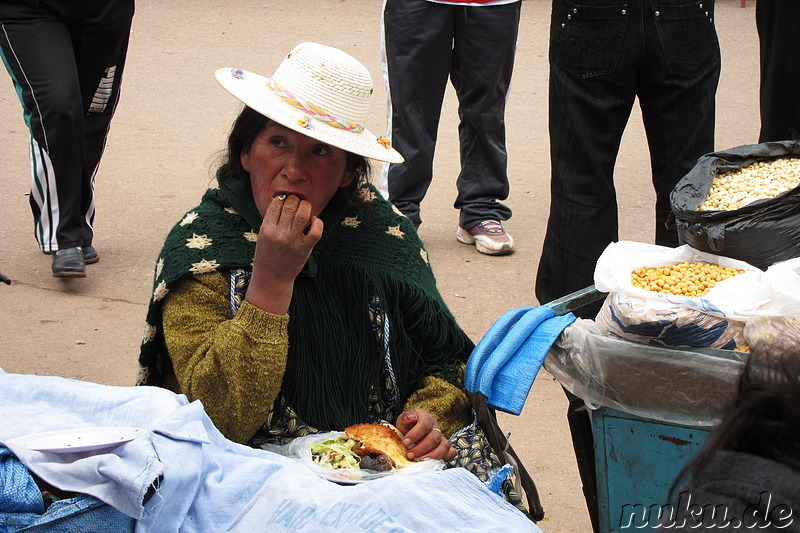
<point x="69" y="263"/>
<point x="90" y="255"/>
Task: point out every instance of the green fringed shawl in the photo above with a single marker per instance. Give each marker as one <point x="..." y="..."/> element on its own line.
<point x="367" y="251"/>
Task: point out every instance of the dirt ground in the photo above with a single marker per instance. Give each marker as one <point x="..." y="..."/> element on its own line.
<point x="170" y="126"/>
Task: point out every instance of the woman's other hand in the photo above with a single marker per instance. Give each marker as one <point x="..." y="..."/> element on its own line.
<point x="423" y="439"/>
<point x="286" y="238"/>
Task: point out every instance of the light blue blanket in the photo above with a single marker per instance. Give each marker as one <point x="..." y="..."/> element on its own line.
<point x="208" y="483"/>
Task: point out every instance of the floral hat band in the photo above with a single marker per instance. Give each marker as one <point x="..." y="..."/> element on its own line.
<point x="313" y="111"/>
<point x="315" y="84"/>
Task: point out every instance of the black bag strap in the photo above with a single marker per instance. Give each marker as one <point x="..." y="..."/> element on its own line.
<point x="487" y="419"/>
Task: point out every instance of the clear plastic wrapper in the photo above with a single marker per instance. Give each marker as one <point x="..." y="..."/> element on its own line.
<point x="779" y="331"/>
<point x="673" y="385"/>
<point x="651" y="322"/>
<point x="783" y="280"/>
<point x="773" y="335"/>
<point x="300" y="449"/>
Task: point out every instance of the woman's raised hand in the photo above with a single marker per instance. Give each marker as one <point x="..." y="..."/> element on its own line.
<point x="422" y="437"/>
<point x="285" y="239"/>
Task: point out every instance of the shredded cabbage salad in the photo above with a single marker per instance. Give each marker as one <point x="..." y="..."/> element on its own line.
<point x="335" y="453"/>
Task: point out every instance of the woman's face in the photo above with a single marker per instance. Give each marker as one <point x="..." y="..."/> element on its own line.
<point x="283" y="161"/>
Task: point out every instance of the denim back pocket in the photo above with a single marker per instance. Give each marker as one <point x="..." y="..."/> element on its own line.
<point x="688" y="38"/>
<point x="587" y="40"/>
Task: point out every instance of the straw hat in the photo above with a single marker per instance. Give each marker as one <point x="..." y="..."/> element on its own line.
<point x="318" y="91"/>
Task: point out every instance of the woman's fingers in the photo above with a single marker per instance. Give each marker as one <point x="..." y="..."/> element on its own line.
<point x="288" y="219"/>
<point x="450" y="451"/>
<point x="274" y="210"/>
<point x="406" y="421"/>
<point x="286" y="238"/>
<point x="422" y="437"/>
<point x="433" y="445"/>
<point x="299" y="214"/>
<point x="284" y="208"/>
<point x="314" y="233"/>
<point x="291" y="214"/>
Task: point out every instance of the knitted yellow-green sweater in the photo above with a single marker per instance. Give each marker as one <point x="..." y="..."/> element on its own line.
<point x="235" y="365"/>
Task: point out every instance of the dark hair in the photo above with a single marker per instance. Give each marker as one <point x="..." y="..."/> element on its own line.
<point x="765" y="415"/>
<point x="244" y="131"/>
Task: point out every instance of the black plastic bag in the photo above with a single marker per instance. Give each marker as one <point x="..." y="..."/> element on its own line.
<point x="761" y="233"/>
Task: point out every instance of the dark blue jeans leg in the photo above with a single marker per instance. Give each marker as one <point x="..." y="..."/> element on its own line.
<point x="419" y="43"/>
<point x="483" y="61"/>
<point x="592" y="89"/>
<point x="677" y="95"/>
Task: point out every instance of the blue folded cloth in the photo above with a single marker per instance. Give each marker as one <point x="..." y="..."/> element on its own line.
<point x="505" y="362"/>
<point x="18" y="491"/>
<point x="488" y="344"/>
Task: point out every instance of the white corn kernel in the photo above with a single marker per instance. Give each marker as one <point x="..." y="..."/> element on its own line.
<point x="735" y="189"/>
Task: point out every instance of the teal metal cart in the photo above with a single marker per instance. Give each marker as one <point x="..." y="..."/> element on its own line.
<point x="636" y="461"/>
<point x="628" y="459"/>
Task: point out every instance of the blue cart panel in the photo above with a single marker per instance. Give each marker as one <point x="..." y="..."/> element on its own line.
<point x="636" y="461"/>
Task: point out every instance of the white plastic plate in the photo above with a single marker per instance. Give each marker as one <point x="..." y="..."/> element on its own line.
<point x="80" y="440"/>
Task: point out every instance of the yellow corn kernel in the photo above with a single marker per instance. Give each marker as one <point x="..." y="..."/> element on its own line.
<point x="682" y="279"/>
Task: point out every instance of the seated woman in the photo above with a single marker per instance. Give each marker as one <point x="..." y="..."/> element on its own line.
<point x="294" y="299"/>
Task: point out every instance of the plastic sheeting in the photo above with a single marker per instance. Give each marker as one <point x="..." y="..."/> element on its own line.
<point x="637" y="320"/>
<point x="688" y="387"/>
<point x="773" y="334"/>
